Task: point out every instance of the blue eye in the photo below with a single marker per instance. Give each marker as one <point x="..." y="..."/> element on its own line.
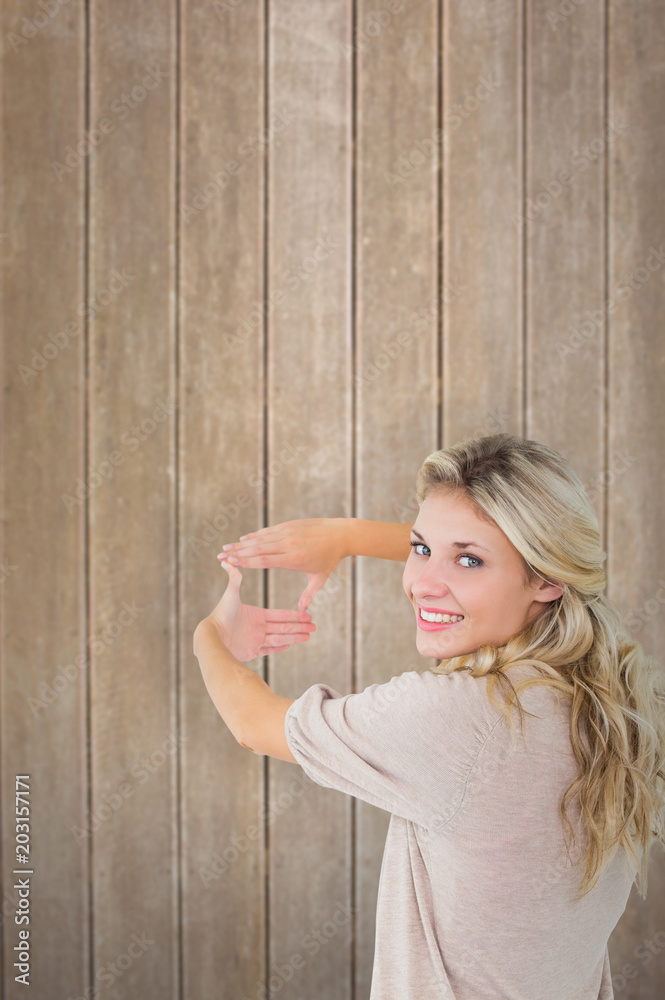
<point x="465" y="555"/>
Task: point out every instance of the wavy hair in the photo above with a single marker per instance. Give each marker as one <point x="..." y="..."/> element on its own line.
<point x="578" y="641"/>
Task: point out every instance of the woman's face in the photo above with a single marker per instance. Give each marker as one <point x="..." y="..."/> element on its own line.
<point x="462" y="565"/>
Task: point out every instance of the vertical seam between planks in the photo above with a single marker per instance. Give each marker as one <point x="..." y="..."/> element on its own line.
<point x="524" y="244"/>
<point x="179" y="970"/>
<point x="606" y="292"/>
<point x="2" y="527"/>
<point x="3" y="890"/>
<point x="264" y="458"/>
<point x="438" y="333"/>
<point x="441" y="227"/>
<point x="353" y="888"/>
<point x="87" y="575"/>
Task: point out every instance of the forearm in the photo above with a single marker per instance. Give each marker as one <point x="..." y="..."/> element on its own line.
<point x="379" y="539"/>
<point x="235" y="689"/>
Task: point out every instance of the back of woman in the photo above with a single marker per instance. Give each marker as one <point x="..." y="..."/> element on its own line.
<point x="504" y="886"/>
<point x="524" y="771"/>
<point x="477" y="891"/>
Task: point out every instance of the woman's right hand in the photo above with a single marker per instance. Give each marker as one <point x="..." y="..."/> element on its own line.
<point x="313" y="545"/>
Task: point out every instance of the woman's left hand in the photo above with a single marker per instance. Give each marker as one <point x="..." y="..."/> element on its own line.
<point x="248" y="631"/>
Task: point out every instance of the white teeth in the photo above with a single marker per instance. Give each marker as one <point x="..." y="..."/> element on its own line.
<point x="430" y="616"/>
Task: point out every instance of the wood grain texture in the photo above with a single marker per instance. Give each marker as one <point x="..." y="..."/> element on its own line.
<point x="566" y="143"/>
<point x="309" y="457"/>
<point x="636" y="424"/>
<point x="317" y="242"/>
<point x="221" y="466"/>
<point x="43" y="613"/>
<point x="482" y="231"/>
<point x="134" y="719"/>
<point x="397" y="313"/>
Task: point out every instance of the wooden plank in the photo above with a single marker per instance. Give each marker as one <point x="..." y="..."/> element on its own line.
<point x="565" y="235"/>
<point x="482" y="234"/>
<point x="309" y="411"/>
<point x="134" y="726"/>
<point x="43" y="688"/>
<point x="221" y="461"/>
<point x="636" y="87"/>
<point x="396" y="357"/>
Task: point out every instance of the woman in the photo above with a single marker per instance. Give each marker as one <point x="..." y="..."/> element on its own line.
<point x="509" y="857"/>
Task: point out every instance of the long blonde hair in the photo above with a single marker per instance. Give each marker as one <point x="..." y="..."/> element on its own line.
<point x="578" y="641"/>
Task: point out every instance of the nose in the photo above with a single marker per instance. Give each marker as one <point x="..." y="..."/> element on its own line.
<point x="430" y="582"/>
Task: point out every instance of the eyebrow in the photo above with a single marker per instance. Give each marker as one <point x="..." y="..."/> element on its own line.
<point x="455" y="545"/>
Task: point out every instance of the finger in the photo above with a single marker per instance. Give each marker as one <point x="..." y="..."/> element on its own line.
<point x="263" y="535"/>
<point x="235" y="576"/>
<point x="258" y="562"/>
<point x="280" y="638"/>
<point x="282" y="642"/>
<point x="314" y="585"/>
<point x="252" y="549"/>
<point x="286" y="615"/>
<point x="267" y="650"/>
<point x="289" y="628"/>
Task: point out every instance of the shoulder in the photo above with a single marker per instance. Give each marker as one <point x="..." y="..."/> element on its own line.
<point x="412" y="705"/>
<point x="421" y="696"/>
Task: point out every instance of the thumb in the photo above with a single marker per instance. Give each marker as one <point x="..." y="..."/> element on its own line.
<point x="314" y="583"/>
<point x="235" y="577"/>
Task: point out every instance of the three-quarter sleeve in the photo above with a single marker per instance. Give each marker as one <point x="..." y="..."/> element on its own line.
<point x="406" y="746"/>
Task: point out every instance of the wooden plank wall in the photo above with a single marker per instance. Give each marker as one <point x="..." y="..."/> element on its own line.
<point x="306" y="245"/>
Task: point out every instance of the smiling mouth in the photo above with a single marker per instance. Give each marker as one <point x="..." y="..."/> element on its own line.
<point x="438" y="616"/>
<point x="430" y="621"/>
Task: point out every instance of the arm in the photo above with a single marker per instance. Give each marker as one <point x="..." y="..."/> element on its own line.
<point x="248" y="706"/>
<point x="315" y="545"/>
<point x="379" y="539"/>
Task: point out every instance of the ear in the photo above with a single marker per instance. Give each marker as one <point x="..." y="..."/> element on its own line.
<point x="547" y="592"/>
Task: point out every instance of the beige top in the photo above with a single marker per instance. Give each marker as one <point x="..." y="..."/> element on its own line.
<point x="476" y="893"/>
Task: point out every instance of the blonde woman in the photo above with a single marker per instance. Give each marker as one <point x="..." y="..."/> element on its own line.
<point x="510" y="854"/>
